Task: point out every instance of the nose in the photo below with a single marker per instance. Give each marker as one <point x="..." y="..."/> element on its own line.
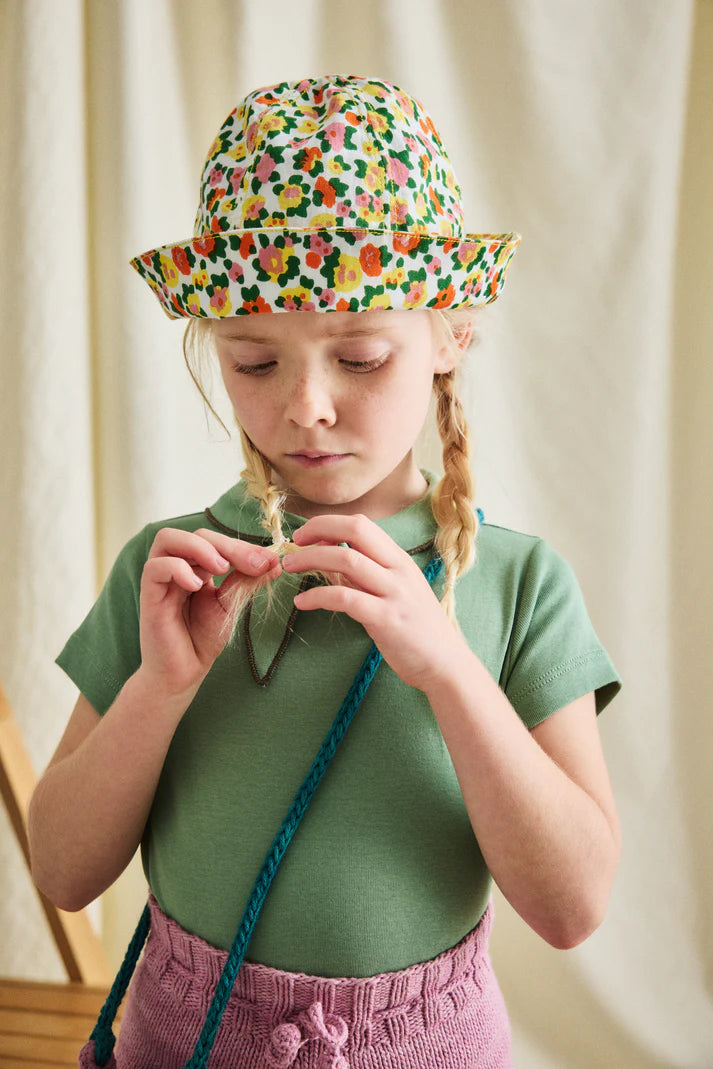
<point x="310" y="399"/>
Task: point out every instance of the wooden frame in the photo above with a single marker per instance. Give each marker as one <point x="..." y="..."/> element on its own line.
<point x="79" y="946"/>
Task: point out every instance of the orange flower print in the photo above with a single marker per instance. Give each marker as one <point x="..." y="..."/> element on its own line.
<point x="406" y="242"/>
<point x="180" y="259"/>
<point x="416" y="295"/>
<point x="445" y="297"/>
<point x="435" y="200"/>
<point x="256" y="307"/>
<point x="342" y="305"/>
<point x="308" y="159"/>
<point x="204" y="245"/>
<point x="220" y="301"/>
<point x="370" y="260"/>
<point x="329" y="194"/>
<point x="348" y="274"/>
<point x="313" y="260"/>
<point x="247" y="246"/>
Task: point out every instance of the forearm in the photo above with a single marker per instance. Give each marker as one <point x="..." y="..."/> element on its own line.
<point x="89" y="810"/>
<point x="550" y="847"/>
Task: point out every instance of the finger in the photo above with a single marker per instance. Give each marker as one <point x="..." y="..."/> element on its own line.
<point x="160" y="573"/>
<point x="361" y="606"/>
<point x="213" y="551"/>
<point x="359" y="570"/>
<point x="358" y="531"/>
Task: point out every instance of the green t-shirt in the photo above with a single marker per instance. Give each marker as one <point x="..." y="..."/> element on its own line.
<point x="384" y="870"/>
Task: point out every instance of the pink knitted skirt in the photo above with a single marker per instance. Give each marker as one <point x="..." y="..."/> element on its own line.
<point x="447" y="1013"/>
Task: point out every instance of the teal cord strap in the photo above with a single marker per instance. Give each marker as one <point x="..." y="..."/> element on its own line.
<point x="102" y="1035"/>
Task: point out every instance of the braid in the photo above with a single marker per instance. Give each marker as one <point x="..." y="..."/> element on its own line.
<point x="258" y="476"/>
<point x="454" y="495"/>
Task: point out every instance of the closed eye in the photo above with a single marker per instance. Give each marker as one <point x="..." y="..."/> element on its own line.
<point x="253" y="369"/>
<point x="362" y="366"/>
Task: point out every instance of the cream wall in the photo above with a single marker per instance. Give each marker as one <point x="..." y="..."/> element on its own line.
<point x="587" y="127"/>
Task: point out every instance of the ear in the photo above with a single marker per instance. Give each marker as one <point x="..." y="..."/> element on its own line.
<point x="446" y="360"/>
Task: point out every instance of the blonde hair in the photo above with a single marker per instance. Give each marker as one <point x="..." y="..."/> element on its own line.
<point x="453" y="497"/>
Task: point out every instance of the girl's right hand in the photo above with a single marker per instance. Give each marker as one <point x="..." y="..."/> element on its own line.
<point x="183" y="615"/>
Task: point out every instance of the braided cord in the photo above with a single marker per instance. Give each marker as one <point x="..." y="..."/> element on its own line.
<point x="104" y="1038"/>
<point x="344" y="717"/>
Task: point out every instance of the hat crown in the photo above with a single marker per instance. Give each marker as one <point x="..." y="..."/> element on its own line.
<point x="339" y="151"/>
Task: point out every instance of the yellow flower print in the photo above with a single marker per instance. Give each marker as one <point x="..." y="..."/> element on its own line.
<point x="335" y="167"/>
<point x="416" y="295"/>
<point x="272" y="122"/>
<point x="238" y="151"/>
<point x="298" y="293"/>
<point x="420" y="205"/>
<point x="169" y="271"/>
<point x="381" y="300"/>
<point x="200" y="279"/>
<point x="348" y="274"/>
<point x="220" y="301"/>
<point x="253" y="206"/>
<point x="291" y="197"/>
<point x="194" y="304"/>
<point x="369" y="148"/>
<point x="375" y="177"/>
<point x="395" y="278"/>
<point x="307" y="126"/>
<point x="378" y="122"/>
<point x="322" y="221"/>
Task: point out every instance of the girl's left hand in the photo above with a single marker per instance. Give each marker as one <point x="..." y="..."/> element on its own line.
<point x="384" y="590"/>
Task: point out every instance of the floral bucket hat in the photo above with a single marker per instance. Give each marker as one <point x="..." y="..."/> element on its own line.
<point x="327" y="194"/>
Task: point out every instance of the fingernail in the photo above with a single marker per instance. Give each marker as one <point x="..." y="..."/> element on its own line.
<point x="221" y="561"/>
<point x="258" y="561"/>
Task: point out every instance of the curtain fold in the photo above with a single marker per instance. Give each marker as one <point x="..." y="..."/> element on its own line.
<point x="589" y="129"/>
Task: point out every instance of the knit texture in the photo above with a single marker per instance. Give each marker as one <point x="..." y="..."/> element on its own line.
<point x="447" y="1013"/>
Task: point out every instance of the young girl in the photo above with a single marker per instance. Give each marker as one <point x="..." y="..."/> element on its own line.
<point x="473" y="753"/>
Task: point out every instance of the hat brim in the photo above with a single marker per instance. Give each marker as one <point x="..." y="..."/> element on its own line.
<point x="250" y="271"/>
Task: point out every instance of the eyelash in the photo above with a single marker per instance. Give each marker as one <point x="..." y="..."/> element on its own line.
<point x="357" y="367"/>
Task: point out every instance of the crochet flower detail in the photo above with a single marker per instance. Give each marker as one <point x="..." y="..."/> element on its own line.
<point x="287" y="1038"/>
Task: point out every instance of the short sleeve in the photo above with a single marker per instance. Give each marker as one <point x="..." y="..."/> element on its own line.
<point x="105" y="649"/>
<point x="554" y="655"/>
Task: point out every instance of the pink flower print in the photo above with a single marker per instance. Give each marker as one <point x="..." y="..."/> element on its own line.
<point x="235" y="273"/>
<point x="236" y="178"/>
<point x="220" y="301"/>
<point x="411" y="143"/>
<point x="272" y="261"/>
<point x="343" y="209"/>
<point x="308" y="306"/>
<point x="266" y="165"/>
<point x="327" y="297"/>
<point x="216" y="176"/>
<point x="398" y="171"/>
<point x="362" y="200"/>
<point x="319" y="245"/>
<point x="335" y="135"/>
<point x="399" y="211"/>
<point x="433" y="266"/>
<point x="290" y="305"/>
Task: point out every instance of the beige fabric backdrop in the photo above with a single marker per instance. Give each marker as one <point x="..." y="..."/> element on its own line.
<point x="589" y="128"/>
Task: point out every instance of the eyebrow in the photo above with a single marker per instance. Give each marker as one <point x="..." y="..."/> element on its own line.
<point x="347" y="332"/>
